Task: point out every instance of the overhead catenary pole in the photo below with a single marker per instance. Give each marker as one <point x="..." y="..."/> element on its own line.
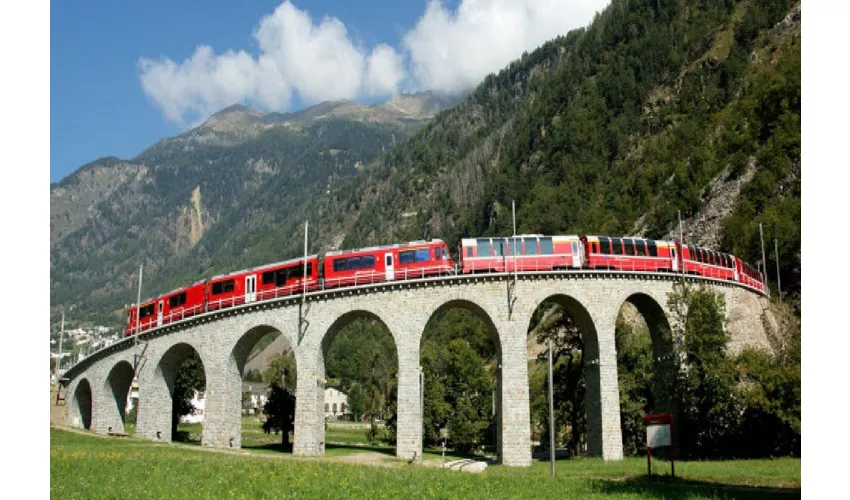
<point x="763" y="259"/>
<point x="304" y="279"/>
<point x="778" y="280"/>
<point x="551" y="414"/>
<point x="61" y="336"/>
<point x="304" y="284"/>
<point x="681" y="241"/>
<point x="136" y="334"/>
<point x="514" y="242"/>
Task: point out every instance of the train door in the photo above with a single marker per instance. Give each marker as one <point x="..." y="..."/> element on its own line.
<point x="388" y="264"/>
<point x="576" y="255"/>
<point x="251" y="288"/>
<point x="675" y="259"/>
<point x="159" y="307"/>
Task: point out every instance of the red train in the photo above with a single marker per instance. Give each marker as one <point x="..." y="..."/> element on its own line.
<point x="543" y="253"/>
<point x="420" y="259"/>
<point x="417" y="259"/>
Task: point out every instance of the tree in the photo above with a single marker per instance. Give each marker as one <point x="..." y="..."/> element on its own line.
<point x="709" y="411"/>
<point x="458" y="394"/>
<point x="356" y="402"/>
<point x="281" y="371"/>
<point x="280" y="413"/>
<point x="189" y="380"/>
<point x="553" y="322"/>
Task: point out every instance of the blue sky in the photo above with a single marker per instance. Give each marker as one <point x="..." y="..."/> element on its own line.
<point x="124" y="74"/>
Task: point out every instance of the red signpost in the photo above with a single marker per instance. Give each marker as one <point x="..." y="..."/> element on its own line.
<point x="659" y="433"/>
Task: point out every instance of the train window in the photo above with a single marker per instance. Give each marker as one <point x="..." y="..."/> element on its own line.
<point x="268" y="277"/>
<point x="438" y="253"/>
<point x="498" y="248"/>
<point x="339" y="265"/>
<point x="530" y="246"/>
<point x="352" y="263"/>
<point x="366" y="262"/>
<point x="515" y="246"/>
<point x="423" y="255"/>
<point x="617" y="245"/>
<point x="630" y="247"/>
<point x="546" y="246"/>
<point x="146" y="311"/>
<point x="483" y="247"/>
<point x="177" y="300"/>
<point x="222" y="287"/>
<point x="406" y="257"/>
<point x="605" y="245"/>
<point x="653" y="249"/>
<point x="469" y="251"/>
<point x="640" y="247"/>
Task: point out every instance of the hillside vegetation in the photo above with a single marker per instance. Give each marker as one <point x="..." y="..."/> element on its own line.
<point x="609" y="129"/>
<point x="612" y="130"/>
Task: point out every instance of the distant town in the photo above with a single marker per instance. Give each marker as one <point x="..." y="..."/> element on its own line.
<point x="78" y="343"/>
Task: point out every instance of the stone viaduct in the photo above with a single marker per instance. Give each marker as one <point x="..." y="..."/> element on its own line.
<point x="98" y="385"/>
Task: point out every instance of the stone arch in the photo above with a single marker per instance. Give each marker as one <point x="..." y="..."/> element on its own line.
<point x="81" y="405"/>
<point x="474" y="308"/>
<point x="486" y="317"/>
<point x="156" y="393"/>
<point x="224" y="429"/>
<point x="117" y="385"/>
<point x="594" y="394"/>
<point x="330" y="334"/>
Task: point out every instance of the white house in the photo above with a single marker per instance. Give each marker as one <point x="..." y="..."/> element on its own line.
<point x="336" y="404"/>
<point x="198" y="401"/>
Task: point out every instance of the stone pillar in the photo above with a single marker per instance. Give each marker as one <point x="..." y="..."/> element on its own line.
<point x="604" y="436"/>
<point x="222" y="427"/>
<point x="514" y="434"/>
<point x="409" y="423"/>
<point x="153" y="420"/>
<point x="309" y="412"/>
<point x="106" y="412"/>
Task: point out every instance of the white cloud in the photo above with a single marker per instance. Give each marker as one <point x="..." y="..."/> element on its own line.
<point x="320" y="60"/>
<point x="317" y="61"/>
<point x="454" y="51"/>
<point x="448" y="51"/>
<point x="384" y="70"/>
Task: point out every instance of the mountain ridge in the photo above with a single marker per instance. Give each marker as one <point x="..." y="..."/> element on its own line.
<point x="651" y="110"/>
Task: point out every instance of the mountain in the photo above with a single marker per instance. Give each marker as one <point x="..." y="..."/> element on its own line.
<point x="656" y="108"/>
<point x="185" y="206"/>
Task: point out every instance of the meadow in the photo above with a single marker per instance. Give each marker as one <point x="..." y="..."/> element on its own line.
<point x="83" y="465"/>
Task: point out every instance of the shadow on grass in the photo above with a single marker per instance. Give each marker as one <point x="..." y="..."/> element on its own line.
<point x="670" y="487"/>
<point x="342" y="448"/>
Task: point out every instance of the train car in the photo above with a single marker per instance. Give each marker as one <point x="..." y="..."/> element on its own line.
<point x="172" y="306"/>
<point x="286" y="278"/>
<point x="704" y="262"/>
<point x="630" y="254"/>
<point x="749" y="276"/>
<point x="528" y="252"/>
<point x="260" y="283"/>
<point x="416" y="259"/>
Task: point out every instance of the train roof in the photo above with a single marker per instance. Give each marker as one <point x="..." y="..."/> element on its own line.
<point x="264" y="266"/>
<point x="557" y="236"/>
<point x="384" y="247"/>
<point x="166" y="294"/>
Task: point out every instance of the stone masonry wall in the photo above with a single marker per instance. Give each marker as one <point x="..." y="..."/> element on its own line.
<point x="223" y="341"/>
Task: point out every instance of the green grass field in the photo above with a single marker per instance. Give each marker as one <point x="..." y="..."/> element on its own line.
<point x="88" y="466"/>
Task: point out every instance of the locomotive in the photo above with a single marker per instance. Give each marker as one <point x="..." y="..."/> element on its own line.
<point x="420" y="259"/>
